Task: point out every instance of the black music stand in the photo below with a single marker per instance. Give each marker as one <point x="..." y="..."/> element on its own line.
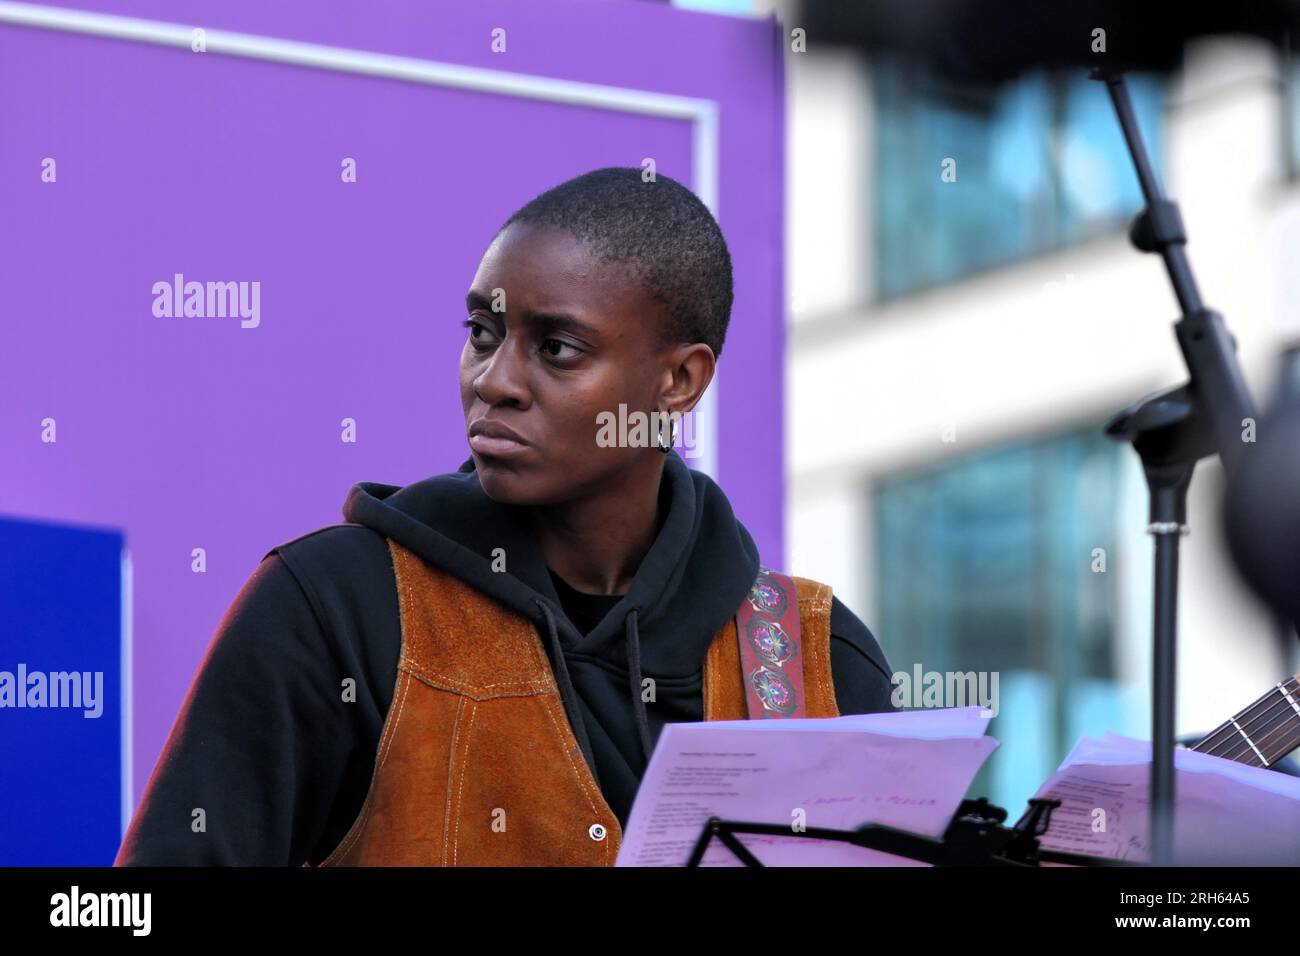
<point x="975" y="837"/>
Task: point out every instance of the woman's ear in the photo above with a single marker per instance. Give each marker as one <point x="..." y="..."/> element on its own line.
<point x="690" y="369"/>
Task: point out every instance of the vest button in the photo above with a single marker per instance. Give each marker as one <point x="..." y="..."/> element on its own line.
<point x="596" y="832"/>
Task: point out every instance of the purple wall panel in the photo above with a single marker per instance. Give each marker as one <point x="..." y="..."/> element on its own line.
<point x="196" y="432"/>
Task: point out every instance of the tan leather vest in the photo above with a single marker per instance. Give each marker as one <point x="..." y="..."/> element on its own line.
<point x="478" y="764"/>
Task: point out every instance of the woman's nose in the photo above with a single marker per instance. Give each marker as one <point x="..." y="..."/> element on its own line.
<point x="505" y="377"/>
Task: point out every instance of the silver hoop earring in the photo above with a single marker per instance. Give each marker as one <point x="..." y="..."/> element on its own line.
<point x="659" y="435"/>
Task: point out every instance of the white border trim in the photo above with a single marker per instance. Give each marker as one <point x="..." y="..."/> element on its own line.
<point x="703" y="114"/>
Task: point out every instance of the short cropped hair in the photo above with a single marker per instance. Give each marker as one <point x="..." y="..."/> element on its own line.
<point x="660" y="232"/>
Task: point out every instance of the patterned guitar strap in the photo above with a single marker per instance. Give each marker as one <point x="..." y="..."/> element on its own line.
<point x="771" y="658"/>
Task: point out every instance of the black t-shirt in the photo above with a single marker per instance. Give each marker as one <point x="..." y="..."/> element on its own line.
<point x="584" y="610"/>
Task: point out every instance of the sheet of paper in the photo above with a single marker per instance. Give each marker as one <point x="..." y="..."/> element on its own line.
<point x="1226" y="812"/>
<point x="923" y="724"/>
<point x="908" y="770"/>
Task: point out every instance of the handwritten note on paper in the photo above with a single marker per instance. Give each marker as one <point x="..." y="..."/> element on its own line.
<point x="907" y="770"/>
<point x="1226" y="813"/>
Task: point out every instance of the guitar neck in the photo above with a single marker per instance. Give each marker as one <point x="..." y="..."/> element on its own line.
<point x="1264" y="732"/>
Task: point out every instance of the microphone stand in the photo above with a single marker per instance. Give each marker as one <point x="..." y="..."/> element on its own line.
<point x="1171" y="430"/>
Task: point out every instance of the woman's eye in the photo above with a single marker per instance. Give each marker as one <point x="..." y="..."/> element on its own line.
<point x="549" y="347"/>
<point x="482" y="338"/>
<point x="474" y="328"/>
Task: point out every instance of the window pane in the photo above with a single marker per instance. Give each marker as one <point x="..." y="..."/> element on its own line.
<point x="990" y="563"/>
<point x="1039" y="163"/>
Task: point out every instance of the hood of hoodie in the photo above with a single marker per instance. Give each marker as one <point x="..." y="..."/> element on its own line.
<point x="691" y="581"/>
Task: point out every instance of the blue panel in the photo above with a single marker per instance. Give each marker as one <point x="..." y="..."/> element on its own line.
<point x="61" y="764"/>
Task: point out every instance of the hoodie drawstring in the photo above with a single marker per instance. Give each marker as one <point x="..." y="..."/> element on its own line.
<point x="634" y="669"/>
<point x="567" y="695"/>
<point x="570" y="698"/>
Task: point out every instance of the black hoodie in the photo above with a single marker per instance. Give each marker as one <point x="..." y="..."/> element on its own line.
<point x="276" y="740"/>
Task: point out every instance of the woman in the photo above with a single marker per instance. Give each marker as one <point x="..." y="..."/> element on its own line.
<point x="475" y="668"/>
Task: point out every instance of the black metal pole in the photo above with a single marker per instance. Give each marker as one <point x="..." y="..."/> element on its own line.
<point x="1220" y="396"/>
<point x="1173" y="253"/>
<point x="1171" y="431"/>
<point x="1168" y="523"/>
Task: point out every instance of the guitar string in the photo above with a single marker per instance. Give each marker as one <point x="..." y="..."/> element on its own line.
<point x="1271" y="703"/>
<point x="1232" y="737"/>
<point x="1234" y="744"/>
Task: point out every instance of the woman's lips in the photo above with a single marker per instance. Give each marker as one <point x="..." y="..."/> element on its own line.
<point x="497" y="447"/>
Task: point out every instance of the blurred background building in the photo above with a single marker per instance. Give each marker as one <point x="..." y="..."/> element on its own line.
<point x="957" y="346"/>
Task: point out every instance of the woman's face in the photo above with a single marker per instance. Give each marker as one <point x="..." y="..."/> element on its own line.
<point x="556" y="338"/>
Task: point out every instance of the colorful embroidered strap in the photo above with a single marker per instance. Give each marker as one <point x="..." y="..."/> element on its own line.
<point x="767" y="626"/>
